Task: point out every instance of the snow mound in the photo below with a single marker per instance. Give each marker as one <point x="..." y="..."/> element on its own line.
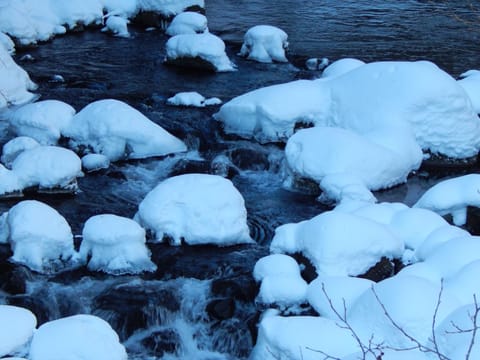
<point x="275" y="265"/>
<point x="43" y="121"/>
<point x="16" y="146"/>
<point x="265" y="43"/>
<point x="41" y="248"/>
<point x="470" y="82"/>
<point x="453" y="196"/>
<point x="7" y="43"/>
<point x="17" y="328"/>
<point x="10" y="184"/>
<point x="341" y="67"/>
<point x="94" y="162"/>
<point x="169" y="7"/>
<point x="464" y="283"/>
<point x="192" y="98"/>
<point x="115" y="245"/>
<point x="79" y="337"/>
<point x="335" y="249"/>
<point x="198" y="50"/>
<point x="117" y="25"/>
<point x="437" y="237"/>
<point x="195" y="208"/>
<point x="118" y="131"/>
<point x="187" y="23"/>
<point x="48" y="167"/>
<point x="14" y="81"/>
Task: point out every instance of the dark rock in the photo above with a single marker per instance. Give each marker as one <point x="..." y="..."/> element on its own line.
<point x="222" y="166"/>
<point x="221" y="309"/>
<point x="305" y="185"/>
<point x="441" y="165"/>
<point x="186" y="166"/>
<point x="163" y="341"/>
<point x="250" y="159"/>
<point x="308" y="271"/>
<point x="13" y="279"/>
<point x="241" y="288"/>
<point x="148" y="19"/>
<point x="473" y="220"/>
<point x="232" y="337"/>
<point x="192" y="63"/>
<point x="382" y="270"/>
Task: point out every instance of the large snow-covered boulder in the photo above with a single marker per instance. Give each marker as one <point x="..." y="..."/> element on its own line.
<point x="187" y="22"/>
<point x="169" y="8"/>
<point x="202" y="51"/>
<point x="195" y="208"/>
<point x="79" y="337"/>
<point x="14" y="81"/>
<point x="341" y="67"/>
<point x="118" y="131"/>
<point x="39" y="236"/>
<point x="115" y="245"/>
<point x="51" y="168"/>
<point x="265" y="43"/>
<point x="338" y="243"/>
<point x="16" y="329"/>
<point x="470" y="82"/>
<point x="14" y="147"/>
<point x="43" y="121"/>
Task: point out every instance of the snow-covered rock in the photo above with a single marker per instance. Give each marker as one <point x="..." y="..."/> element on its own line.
<point x="470" y="81"/>
<point x="7" y="43"/>
<point x="464" y="283"/>
<point x="79" y="337"/>
<point x="18" y="325"/>
<point x="436" y="238"/>
<point x="14" y="81"/>
<point x="118" y="131"/>
<point x="10" y="184"/>
<point x="124" y="8"/>
<point x="265" y="43"/>
<point x="43" y="121"/>
<point x="51" y="168"/>
<point x="341" y="67"/>
<point x="117" y="25"/>
<point x="192" y="98"/>
<point x="115" y="245"/>
<point x="94" y="162"/>
<point x="204" y="51"/>
<point x="14" y="147"/>
<point x="335" y="248"/>
<point x="40" y="247"/>
<point x="187" y="23"/>
<point x="195" y="208"/>
<point x="453" y="196"/>
<point x="169" y="7"/>
<point x="275" y="265"/>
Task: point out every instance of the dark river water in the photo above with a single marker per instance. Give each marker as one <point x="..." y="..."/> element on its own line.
<point x="200" y="302"/>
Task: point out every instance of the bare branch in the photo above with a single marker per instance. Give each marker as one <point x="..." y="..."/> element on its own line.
<point x="475" y="327"/>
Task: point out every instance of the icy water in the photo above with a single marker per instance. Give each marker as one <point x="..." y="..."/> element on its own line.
<point x="200" y="302"/>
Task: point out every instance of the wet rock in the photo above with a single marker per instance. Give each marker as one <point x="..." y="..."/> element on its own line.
<point x="232" y="337"/>
<point x="13" y="279"/>
<point x="382" y="270"/>
<point x="441" y="165"/>
<point x="307" y="270"/>
<point x="221" y="309"/>
<point x="149" y="19"/>
<point x="186" y="166"/>
<point x="249" y="159"/>
<point x="37" y="305"/>
<point x="305" y="185"/>
<point x="222" y="166"/>
<point x="192" y="63"/>
<point x="161" y="342"/>
<point x="241" y="288"/>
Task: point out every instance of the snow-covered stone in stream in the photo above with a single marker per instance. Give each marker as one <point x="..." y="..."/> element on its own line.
<point x="117" y="25"/>
<point x="453" y="196"/>
<point x="118" y="131"/>
<point x="192" y="98"/>
<point x="203" y="51"/>
<point x="341" y="67"/>
<point x="43" y="121"/>
<point x="436" y="238"/>
<point x="265" y="43"/>
<point x="187" y="23"/>
<point x="79" y="337"/>
<point x="10" y="185"/>
<point x="470" y="81"/>
<point x="464" y="283"/>
<point x="334" y="248"/>
<point x="169" y="7"/>
<point x="14" y="81"/>
<point x="115" y="245"/>
<point x="195" y="209"/>
<point x="94" y="162"/>
<point x="16" y="329"/>
<point x="7" y="43"/>
<point x="39" y="236"/>
<point x="16" y="146"/>
<point x="51" y="168"/>
<point x="124" y="8"/>
<point x="275" y="265"/>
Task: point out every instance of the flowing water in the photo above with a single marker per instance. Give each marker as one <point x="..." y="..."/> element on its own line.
<point x="200" y="302"/>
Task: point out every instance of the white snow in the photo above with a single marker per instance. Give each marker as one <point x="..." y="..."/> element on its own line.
<point x="94" y="162"/>
<point x="117" y="25"/>
<point x="43" y="121"/>
<point x="115" y="245"/>
<point x="14" y="147"/>
<point x="18" y="325"/>
<point x="169" y="7"/>
<point x="452" y="196"/>
<point x="437" y="237"/>
<point x="14" y="81"/>
<point x="118" y="131"/>
<point x="207" y="47"/>
<point x="7" y="43"/>
<point x="337" y="249"/>
<point x="192" y="98"/>
<point x="79" y="337"/>
<point x="41" y="248"/>
<point x="48" y="167"/>
<point x="341" y="67"/>
<point x="187" y="23"/>
<point x="464" y="283"/>
<point x="9" y="182"/>
<point x="275" y="265"/>
<point x="265" y="43"/>
<point x="470" y="81"/>
<point x="195" y="208"/>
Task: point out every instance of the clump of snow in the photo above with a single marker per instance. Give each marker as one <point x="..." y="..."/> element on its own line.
<point x="275" y="265"/>
<point x="118" y="131"/>
<point x="169" y="7"/>
<point x="94" y="162"/>
<point x="187" y="23"/>
<point x="265" y="43"/>
<point x="78" y="337"/>
<point x="10" y="184"/>
<point x="115" y="245"/>
<point x="452" y="196"/>
<point x="43" y="121"/>
<point x="124" y="8"/>
<point x="470" y="82"/>
<point x="48" y="167"/>
<point x="341" y="67"/>
<point x="192" y="98"/>
<point x="195" y="208"/>
<point x="117" y="25"/>
<point x="206" y="47"/>
<point x="316" y="63"/>
<point x="16" y="146"/>
<point x="18" y="325"/>
<point x="7" y="43"/>
<point x="437" y="237"/>
<point x="14" y="81"/>
<point x="464" y="283"/>
<point x="40" y="247"/>
<point x="336" y="249"/>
